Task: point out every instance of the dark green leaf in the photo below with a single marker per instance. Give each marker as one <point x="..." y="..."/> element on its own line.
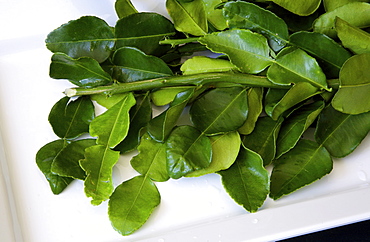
<point x="87" y="36"/>
<point x="187" y="150"/>
<point x="132" y="203"/>
<point x="301" y="166"/>
<point x="124" y="8"/>
<point x="255" y="108"/>
<point x="44" y="160"/>
<point x="71" y="118"/>
<point x="247" y="181"/>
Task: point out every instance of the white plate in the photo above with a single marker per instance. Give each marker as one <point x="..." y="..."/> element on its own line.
<point x="192" y="209"/>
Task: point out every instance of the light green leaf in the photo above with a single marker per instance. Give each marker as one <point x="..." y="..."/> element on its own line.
<point x="203" y="64"/>
<point x="124" y="8"/>
<point x="255" y="108"/>
<point x="330" y="5"/>
<point x="299" y="7"/>
<point x="166" y="95"/>
<point x="214" y="15"/>
<point x="247" y="50"/>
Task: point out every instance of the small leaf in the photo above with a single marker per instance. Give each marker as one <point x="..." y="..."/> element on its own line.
<point x="220" y="110"/>
<point x="247" y="50"/>
<point x="98" y="164"/>
<point x="187" y="150"/>
<point x="247" y="181"/>
<point x="132" y="203"/>
<point x="83" y="72"/>
<point x="341" y="133"/>
<point x="203" y="64"/>
<point x="70" y="119"/>
<point x="151" y="160"/>
<point x="299" y="7"/>
<point x="330" y="5"/>
<point x="66" y="163"/>
<point x="353" y="94"/>
<point x="87" y="36"/>
<point x="189" y="17"/>
<point x="44" y="160"/>
<point x="166" y="95"/>
<point x="301" y="166"/>
<point x="214" y="15"/>
<point x="112" y="126"/>
<point x="255" y="108"/>
<point x="124" y="8"/>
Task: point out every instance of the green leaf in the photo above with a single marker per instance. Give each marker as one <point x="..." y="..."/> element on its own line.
<point x="353" y="38"/>
<point x="255" y="108"/>
<point x="166" y="95"/>
<point x="187" y="150"/>
<point x="277" y="102"/>
<point x="87" y="36"/>
<point x="214" y="15"/>
<point x="353" y="94"/>
<point x="295" y="125"/>
<point x="220" y="110"/>
<point x="299" y="7"/>
<point x="66" y="163"/>
<point x="247" y="181"/>
<point x="356" y="14"/>
<point x="301" y="166"/>
<point x="98" y="164"/>
<point x="137" y="30"/>
<point x="188" y="17"/>
<point x="263" y="138"/>
<point x="341" y="133"/>
<point x="83" y="72"/>
<point x="250" y="16"/>
<point x="124" y="8"/>
<point x="295" y="65"/>
<point x="330" y="5"/>
<point x="203" y="64"/>
<point x="151" y="160"/>
<point x="161" y="126"/>
<point x="108" y="101"/>
<point x="331" y="56"/>
<point x="247" y="50"/>
<point x="131" y="64"/>
<point x="44" y="160"/>
<point x="131" y="204"/>
<point x="225" y="149"/>
<point x="112" y="126"/>
<point x="71" y="118"/>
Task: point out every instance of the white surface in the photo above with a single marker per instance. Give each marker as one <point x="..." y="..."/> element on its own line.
<point x="192" y="209"/>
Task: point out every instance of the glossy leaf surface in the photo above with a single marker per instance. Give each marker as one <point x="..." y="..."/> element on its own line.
<point x="353" y="94"/>
<point x="83" y="72"/>
<point x="203" y="64"/>
<point x="220" y="110"/>
<point x="87" y="36"/>
<point x="247" y="50"/>
<point x="299" y="7"/>
<point x="341" y="133"/>
<point x="246" y="15"/>
<point x="255" y="108"/>
<point x="131" y="204"/>
<point x="187" y="150"/>
<point x="247" y="181"/>
<point x="124" y="8"/>
<point x="69" y="119"/>
<point x="304" y="164"/>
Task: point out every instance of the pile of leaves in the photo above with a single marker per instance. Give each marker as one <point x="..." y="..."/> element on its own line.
<point x="253" y="77"/>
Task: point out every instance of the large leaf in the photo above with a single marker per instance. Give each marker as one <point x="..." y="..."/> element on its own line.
<point x="220" y="110"/>
<point x="255" y="108"/>
<point x="247" y="50"/>
<point x="353" y="94"/>
<point x="44" y="160"/>
<point x="83" y="72"/>
<point x="356" y="14"/>
<point x="299" y="7"/>
<point x="188" y="17"/>
<point x="187" y="150"/>
<point x="112" y="126"/>
<point x="124" y="8"/>
<point x="301" y="166"/>
<point x="250" y="16"/>
<point x="295" y="65"/>
<point x="137" y="30"/>
<point x="225" y="149"/>
<point x="151" y="160"/>
<point x="353" y="38"/>
<point x="263" y="138"/>
<point x="131" y="204"/>
<point x="71" y="118"/>
<point x="98" y="164"/>
<point x="202" y="64"/>
<point x="67" y="162"/>
<point x="131" y="64"/>
<point x="247" y="181"/>
<point x="331" y="56"/>
<point x="341" y="133"/>
<point x="87" y="36"/>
